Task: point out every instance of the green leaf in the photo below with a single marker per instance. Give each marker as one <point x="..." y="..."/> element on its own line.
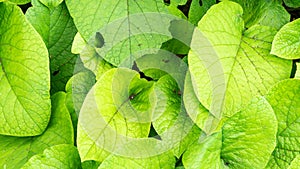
<point x="57" y="29"/>
<point x="123" y="36"/>
<point x="91" y="164"/>
<point x="15" y="151"/>
<point x="198" y="8"/>
<point x="292" y="3"/>
<point x="246" y="141"/>
<point x="103" y="12"/>
<point x="19" y="2"/>
<point x="204" y="153"/>
<point x="235" y="65"/>
<point x="51" y="3"/>
<point x="297" y="75"/>
<point x="77" y="88"/>
<point x="286" y="43"/>
<point x="63" y="156"/>
<point x="249" y="137"/>
<point x="24" y="76"/>
<point x="267" y="13"/>
<point x="162" y="161"/>
<point x="78" y="44"/>
<point x="295" y="163"/>
<point x="196" y="111"/>
<point x="120" y="103"/>
<point x="284" y="97"/>
<point x="169" y="116"/>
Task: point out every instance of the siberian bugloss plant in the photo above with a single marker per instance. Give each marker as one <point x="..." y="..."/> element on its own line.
<point x="149" y="84"/>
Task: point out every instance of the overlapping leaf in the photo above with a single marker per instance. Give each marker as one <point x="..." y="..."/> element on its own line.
<point x="246" y="141"/>
<point x="122" y="99"/>
<point x="15" y="151"/>
<point x="284" y="97"/>
<point x="239" y="68"/>
<point x="267" y="13"/>
<point x="24" y="76"/>
<point x="57" y="29"/>
<point x="286" y="43"/>
<point x="63" y="156"/>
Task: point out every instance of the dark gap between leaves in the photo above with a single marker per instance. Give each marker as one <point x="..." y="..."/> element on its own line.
<point x="25" y="7"/>
<point x="294" y="68"/>
<point x="153" y="133"/>
<point x="185" y="8"/>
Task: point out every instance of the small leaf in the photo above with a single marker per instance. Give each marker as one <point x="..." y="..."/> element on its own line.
<point x="63" y="156"/>
<point x="24" y="76"/>
<point x="286" y="43"/>
<point x="292" y="3"/>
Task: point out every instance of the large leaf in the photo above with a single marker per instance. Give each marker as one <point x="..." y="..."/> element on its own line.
<point x="57" y="29"/>
<point x="286" y="43"/>
<point x="15" y="151"/>
<point x="63" y="156"/>
<point x="284" y="97"/>
<point x="268" y="13"/>
<point x="119" y="104"/>
<point x="236" y="65"/>
<point x="123" y="27"/>
<point x="247" y="140"/>
<point x="24" y="76"/>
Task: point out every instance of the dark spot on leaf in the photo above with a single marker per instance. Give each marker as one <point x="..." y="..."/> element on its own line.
<point x="227" y="163"/>
<point x="166" y="61"/>
<point x="55" y="72"/>
<point x="99" y="40"/>
<point x="178" y="92"/>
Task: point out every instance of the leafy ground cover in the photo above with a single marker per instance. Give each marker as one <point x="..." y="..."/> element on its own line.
<point x="149" y="84"/>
